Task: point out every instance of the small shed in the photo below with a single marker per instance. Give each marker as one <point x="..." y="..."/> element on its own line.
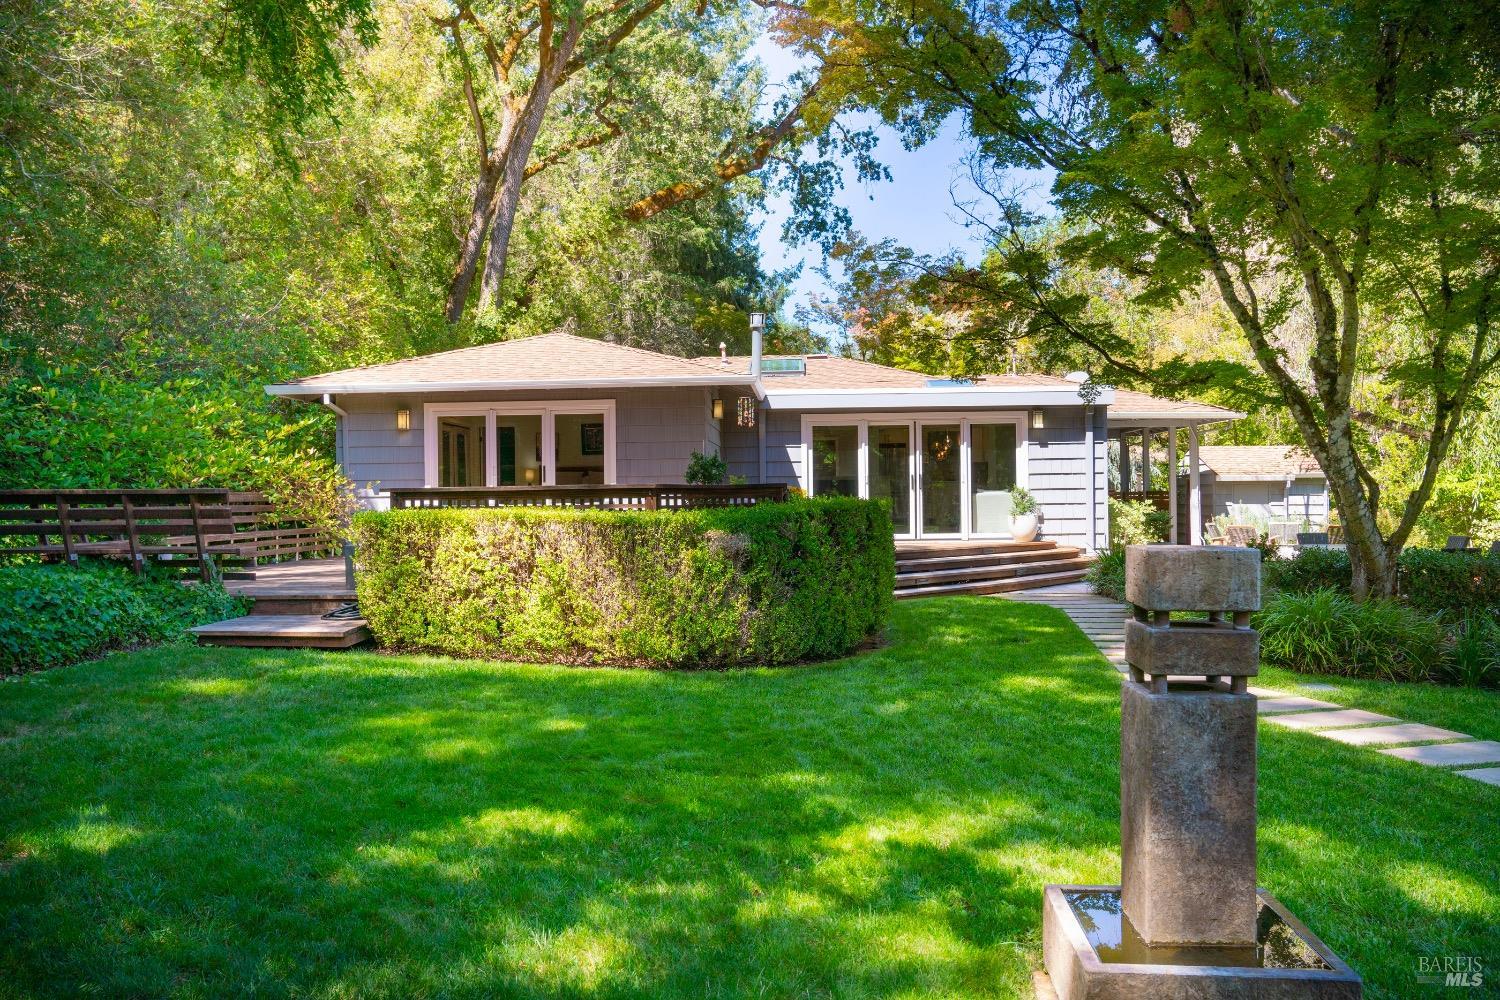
<point x="1276" y="482"/>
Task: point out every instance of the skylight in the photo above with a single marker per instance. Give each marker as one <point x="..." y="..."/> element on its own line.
<point x="783" y="366"/>
<point x="948" y="383"/>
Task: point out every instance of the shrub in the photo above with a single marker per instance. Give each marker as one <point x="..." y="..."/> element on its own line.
<point x="773" y="583"/>
<point x="705" y="470"/>
<point x="1327" y="632"/>
<point x="1136" y="522"/>
<point x="1310" y="569"/>
<point x="1474" y="660"/>
<point x="1457" y="583"/>
<point x="1107" y="574"/>
<point x="54" y="615"/>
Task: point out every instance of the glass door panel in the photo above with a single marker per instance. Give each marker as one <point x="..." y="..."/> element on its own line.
<point x="942" y="468"/>
<point x="461" y="451"/>
<point x="890" y="471"/>
<point x="580" y="444"/>
<point x="992" y="475"/>
<point x="518" y="449"/>
<point x="835" y="461"/>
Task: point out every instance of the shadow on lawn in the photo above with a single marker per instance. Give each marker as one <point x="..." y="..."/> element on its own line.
<point x="361" y="825"/>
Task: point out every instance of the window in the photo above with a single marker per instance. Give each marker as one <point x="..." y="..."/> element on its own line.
<point x="835" y="459"/>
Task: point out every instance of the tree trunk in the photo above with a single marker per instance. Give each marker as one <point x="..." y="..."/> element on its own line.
<point x="507" y="198"/>
<point x="473" y="243"/>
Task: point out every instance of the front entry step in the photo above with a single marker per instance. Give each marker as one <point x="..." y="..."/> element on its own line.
<point x="933" y="569"/>
<point x="300" y="631"/>
<point x="1003" y="586"/>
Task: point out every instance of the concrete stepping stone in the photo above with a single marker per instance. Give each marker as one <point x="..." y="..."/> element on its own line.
<point x="1406" y="732"/>
<point x="1327" y="720"/>
<point x="1488" y="775"/>
<point x="1290" y="703"/>
<point x="1450" y="754"/>
<point x="1260" y="692"/>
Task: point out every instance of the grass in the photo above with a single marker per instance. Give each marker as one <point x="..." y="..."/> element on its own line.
<point x="198" y="822"/>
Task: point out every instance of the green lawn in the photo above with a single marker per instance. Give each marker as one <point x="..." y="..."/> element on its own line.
<point x="203" y="822"/>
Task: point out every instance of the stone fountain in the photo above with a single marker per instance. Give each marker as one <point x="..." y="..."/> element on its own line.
<point x="1188" y="920"/>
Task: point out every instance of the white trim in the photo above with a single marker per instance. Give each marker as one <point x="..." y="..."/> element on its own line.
<point x="1195" y="489"/>
<point x="915" y="420"/>
<point x="547" y="410"/>
<point x="499" y="385"/>
<point x="1137" y="419"/>
<point x="1172" y="480"/>
<point x="965" y="397"/>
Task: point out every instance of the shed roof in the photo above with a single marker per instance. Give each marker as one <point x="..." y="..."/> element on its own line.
<point x="1134" y="407"/>
<point x="1248" y="463"/>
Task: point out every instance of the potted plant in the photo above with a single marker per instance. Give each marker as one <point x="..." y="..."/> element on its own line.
<point x="1023" y="518"/>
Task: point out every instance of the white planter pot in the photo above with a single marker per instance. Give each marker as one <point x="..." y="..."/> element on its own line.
<point x="1023" y="527"/>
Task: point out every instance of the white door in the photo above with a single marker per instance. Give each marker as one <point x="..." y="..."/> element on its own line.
<point x="940" y="479"/>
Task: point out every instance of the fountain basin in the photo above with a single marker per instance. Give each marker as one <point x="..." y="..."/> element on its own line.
<point x="1092" y="953"/>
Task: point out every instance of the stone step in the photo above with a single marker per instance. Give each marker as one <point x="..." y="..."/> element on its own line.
<point x="990" y="586"/>
<point x="990" y="571"/>
<point x="302" y="631"/>
<point x="939" y="549"/>
<point x="299" y="604"/>
<point x="960" y="560"/>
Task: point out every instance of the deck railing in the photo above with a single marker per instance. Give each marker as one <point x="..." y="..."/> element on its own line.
<point x="647" y="497"/>
<point x="191" y="528"/>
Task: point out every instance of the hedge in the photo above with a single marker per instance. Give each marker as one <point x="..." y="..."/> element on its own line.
<point x="1452" y="583"/>
<point x="769" y="584"/>
<point x="1327" y="632"/>
<point x="53" y="615"/>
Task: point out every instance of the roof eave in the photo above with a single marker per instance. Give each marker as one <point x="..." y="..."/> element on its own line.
<point x="1155" y="418"/>
<point x="313" y="391"/>
<point x="929" y="397"/>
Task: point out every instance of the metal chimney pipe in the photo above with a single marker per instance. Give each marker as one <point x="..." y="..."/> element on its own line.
<point x="757" y="339"/>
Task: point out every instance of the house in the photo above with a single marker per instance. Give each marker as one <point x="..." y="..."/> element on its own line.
<point x="558" y="409"/>
<point x="1273" y="482"/>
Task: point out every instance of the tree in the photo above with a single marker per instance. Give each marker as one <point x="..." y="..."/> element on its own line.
<point x="1335" y="160"/>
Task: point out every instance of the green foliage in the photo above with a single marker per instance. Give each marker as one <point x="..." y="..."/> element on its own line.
<point x="1452" y="584"/>
<point x="1327" y="632"/>
<point x="1107" y="574"/>
<point x="705" y="470"/>
<point x="1474" y="660"/>
<point x="1022" y="502"/>
<point x="1458" y="583"/>
<point x="52" y="615"/>
<point x="1136" y="522"/>
<point x="774" y="583"/>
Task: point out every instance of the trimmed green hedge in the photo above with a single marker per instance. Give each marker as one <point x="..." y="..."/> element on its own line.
<point x="1457" y="584"/>
<point x="773" y="583"/>
<point x="52" y="615"/>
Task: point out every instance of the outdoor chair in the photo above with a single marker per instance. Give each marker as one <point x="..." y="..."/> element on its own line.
<point x="1457" y="543"/>
<point x="1240" y="534"/>
<point x="1314" y="538"/>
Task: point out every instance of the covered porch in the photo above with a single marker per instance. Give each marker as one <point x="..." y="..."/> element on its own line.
<point x="1146" y="437"/>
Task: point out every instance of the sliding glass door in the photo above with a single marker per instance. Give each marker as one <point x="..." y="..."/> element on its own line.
<point x="519" y="444"/>
<point x="944" y="476"/>
<point x="891" y="476"/>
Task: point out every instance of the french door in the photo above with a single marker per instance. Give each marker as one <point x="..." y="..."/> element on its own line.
<point x="944" y="476"/>
<point x="519" y="444"/>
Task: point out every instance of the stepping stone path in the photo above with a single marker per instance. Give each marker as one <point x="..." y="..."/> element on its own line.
<point x="1103" y="621"/>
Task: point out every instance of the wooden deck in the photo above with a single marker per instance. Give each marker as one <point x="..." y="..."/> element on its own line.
<point x="290" y="601"/>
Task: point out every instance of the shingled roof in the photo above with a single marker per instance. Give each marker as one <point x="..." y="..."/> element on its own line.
<point x="560" y="360"/>
<point x="1248" y="463"/>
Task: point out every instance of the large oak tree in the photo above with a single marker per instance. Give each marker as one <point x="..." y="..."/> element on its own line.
<point x="1336" y="162"/>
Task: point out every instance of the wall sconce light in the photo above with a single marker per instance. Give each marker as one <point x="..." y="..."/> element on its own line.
<point x="718" y="409"/>
<point x="530" y="477"/>
<point x="1037" y="423"/>
<point x="403" y="420"/>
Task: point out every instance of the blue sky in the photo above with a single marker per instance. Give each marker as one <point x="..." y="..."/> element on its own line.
<point x="915" y="207"/>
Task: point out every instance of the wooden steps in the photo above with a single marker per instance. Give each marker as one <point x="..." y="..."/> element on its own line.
<point x="302" y="631"/>
<point x="937" y="569"/>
